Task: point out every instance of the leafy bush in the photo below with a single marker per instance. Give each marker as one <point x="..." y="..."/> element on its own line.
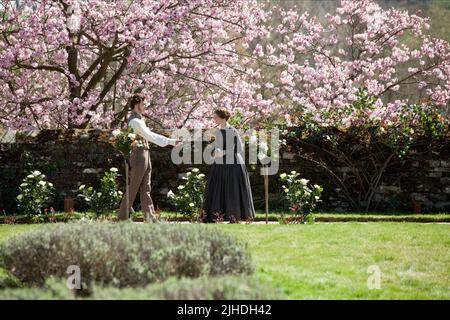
<point x="35" y="194"/>
<point x="369" y="140"/>
<point x="422" y="120"/>
<point x="189" y="198"/>
<point x="301" y="198"/>
<point x="204" y="288"/>
<point x="107" y="198"/>
<point x="123" y="254"/>
<point x="54" y="289"/>
<point x="8" y="281"/>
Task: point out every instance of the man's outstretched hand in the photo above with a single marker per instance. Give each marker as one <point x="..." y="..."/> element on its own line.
<point x="177" y="142"/>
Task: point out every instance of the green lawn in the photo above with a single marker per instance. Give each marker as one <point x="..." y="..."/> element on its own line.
<point x="9" y="230"/>
<point x="330" y="260"/>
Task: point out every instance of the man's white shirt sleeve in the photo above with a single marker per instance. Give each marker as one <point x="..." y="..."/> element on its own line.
<point x="141" y="129"/>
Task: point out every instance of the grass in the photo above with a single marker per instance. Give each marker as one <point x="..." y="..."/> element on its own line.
<point x="382" y="217"/>
<point x="10" y="230"/>
<point x="331" y="260"/>
<point x="272" y="216"/>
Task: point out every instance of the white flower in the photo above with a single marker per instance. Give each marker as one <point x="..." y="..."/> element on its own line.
<point x="36" y="173"/>
<point x="42" y="183"/>
<point x="293" y="172"/>
<point x="286" y="190"/>
<point x="132" y="136"/>
<point x="23" y="184"/>
<point x="283" y="175"/>
<point x="317" y="197"/>
<point x="191" y="204"/>
<point x="99" y="194"/>
<point x="304" y="182"/>
<point x="195" y="170"/>
<point x="81" y="187"/>
<point x="181" y="187"/>
<point x="116" y="132"/>
<point x="170" y="194"/>
<point x="201" y="175"/>
<point x="188" y="173"/>
<point x="113" y="169"/>
<point x="120" y="193"/>
<point x="50" y="184"/>
<point x="30" y="176"/>
<point x="19" y="197"/>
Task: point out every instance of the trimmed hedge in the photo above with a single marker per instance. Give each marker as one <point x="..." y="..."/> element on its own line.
<point x="218" y="288"/>
<point x="123" y="254"/>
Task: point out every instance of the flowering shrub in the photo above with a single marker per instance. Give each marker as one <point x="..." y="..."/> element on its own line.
<point x="107" y="198"/>
<point x="35" y="193"/>
<point x="189" y="198"/>
<point x="301" y="197"/>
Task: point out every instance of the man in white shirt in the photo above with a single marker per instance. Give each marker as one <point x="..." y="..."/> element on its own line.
<point x="140" y="163"/>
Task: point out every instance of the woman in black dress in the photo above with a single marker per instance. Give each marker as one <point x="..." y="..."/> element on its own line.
<point x="228" y="195"/>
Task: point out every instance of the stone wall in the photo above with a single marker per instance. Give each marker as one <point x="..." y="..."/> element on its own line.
<point x="73" y="157"/>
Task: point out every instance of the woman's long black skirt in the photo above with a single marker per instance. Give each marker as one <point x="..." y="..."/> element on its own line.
<point x="228" y="195"/>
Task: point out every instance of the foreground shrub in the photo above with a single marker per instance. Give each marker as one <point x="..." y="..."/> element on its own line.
<point x="123" y="254"/>
<point x="8" y="281"/>
<point x="54" y="289"/>
<point x="218" y="288"/>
